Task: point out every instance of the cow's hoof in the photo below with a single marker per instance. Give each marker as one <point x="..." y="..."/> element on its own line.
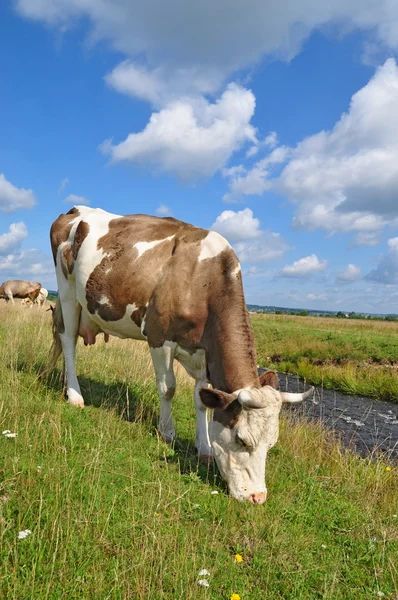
<point x="78" y="403"/>
<point x="75" y="398"/>
<point x="169" y="438"/>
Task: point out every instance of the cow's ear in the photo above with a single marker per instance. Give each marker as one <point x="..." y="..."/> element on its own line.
<point x="215" y="398"/>
<point x="269" y="378"/>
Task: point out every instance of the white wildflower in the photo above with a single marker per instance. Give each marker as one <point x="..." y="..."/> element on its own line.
<point x="10" y="435"/>
<point x="323" y="546"/>
<point x="203" y="583"/>
<point x="23" y="534"/>
<point x="6" y="431"/>
<point x="380" y="594"/>
<point x="204" y="572"/>
<point x="214" y="492"/>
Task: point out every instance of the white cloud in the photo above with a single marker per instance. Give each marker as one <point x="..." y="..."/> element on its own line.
<point x="13" y="198"/>
<point x="191" y="49"/>
<point x="349" y="274"/>
<point x="237" y="226"/>
<point x="347" y="179"/>
<point x="162" y="85"/>
<point x="251" y="244"/>
<point x="191" y="138"/>
<point x="304" y="267"/>
<point x="26" y="264"/>
<point x="268" y="247"/>
<point x="77" y="200"/>
<point x="12" y="239"/>
<point x="316" y="297"/>
<point x="63" y="185"/>
<point x="366" y="238"/>
<point x="387" y="269"/>
<point x="255" y="181"/>
<point x="188" y="34"/>
<point x="163" y="211"/>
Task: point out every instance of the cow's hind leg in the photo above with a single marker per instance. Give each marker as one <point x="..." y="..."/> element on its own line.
<point x="71" y="317"/>
<point x="162" y="359"/>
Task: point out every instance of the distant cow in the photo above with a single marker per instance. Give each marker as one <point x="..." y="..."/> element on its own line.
<point x="18" y="288"/>
<point x="40" y="300"/>
<point x="179" y="288"/>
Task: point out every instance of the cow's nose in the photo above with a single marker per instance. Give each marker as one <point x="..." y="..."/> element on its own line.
<point x="258" y="498"/>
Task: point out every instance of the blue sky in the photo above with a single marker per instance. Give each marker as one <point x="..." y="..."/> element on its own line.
<point x="276" y="126"/>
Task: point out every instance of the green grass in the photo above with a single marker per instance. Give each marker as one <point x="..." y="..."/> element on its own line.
<point x="357" y="357"/>
<point x="116" y="513"/>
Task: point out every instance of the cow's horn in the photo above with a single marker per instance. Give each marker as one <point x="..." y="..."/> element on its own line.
<point x="246" y="401"/>
<point x="293" y="398"/>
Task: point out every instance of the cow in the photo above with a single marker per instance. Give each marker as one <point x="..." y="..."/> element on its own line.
<point x="179" y="288"/>
<point x="40" y="299"/>
<point x="18" y="288"/>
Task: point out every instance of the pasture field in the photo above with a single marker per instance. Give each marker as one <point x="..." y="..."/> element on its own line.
<point x="354" y="356"/>
<point x="115" y="513"/>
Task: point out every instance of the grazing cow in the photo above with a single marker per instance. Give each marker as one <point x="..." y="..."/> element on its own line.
<point x="179" y="288"/>
<point x="18" y="288"/>
<point x="40" y="300"/>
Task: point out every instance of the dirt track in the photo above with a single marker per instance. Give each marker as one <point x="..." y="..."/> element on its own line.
<point x="370" y="425"/>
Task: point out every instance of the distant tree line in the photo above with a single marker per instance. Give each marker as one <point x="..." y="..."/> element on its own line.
<point x="332" y="315"/>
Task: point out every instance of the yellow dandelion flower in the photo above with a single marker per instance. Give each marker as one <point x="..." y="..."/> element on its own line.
<point x="388" y="468"/>
<point x="156" y="514"/>
<point x="235" y="597"/>
<point x="238" y="558"/>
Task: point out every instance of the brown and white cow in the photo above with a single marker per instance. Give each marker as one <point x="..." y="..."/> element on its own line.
<point x="179" y="288"/>
<point x="40" y="300"/>
<point x="18" y="288"/>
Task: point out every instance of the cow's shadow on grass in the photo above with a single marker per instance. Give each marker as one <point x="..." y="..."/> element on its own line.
<point x="130" y="403"/>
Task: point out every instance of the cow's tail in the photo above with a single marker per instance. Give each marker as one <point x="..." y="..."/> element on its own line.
<point x="56" y="347"/>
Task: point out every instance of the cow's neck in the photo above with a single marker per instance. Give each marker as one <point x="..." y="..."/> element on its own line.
<point x="229" y="344"/>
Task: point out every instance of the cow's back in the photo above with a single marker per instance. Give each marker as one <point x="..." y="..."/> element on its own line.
<point x="155" y="270"/>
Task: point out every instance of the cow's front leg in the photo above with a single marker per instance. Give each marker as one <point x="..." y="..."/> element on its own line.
<point x="162" y="359"/>
<point x="202" y="425"/>
<point x="71" y="317"/>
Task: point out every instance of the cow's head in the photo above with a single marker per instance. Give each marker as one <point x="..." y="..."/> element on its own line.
<point x="244" y="427"/>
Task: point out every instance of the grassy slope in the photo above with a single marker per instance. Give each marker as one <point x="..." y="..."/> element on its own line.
<point x="115" y="513"/>
<point x="357" y="357"/>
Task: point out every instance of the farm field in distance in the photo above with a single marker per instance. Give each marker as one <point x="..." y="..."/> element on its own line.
<point x="354" y="356"/>
<point x="115" y="513"/>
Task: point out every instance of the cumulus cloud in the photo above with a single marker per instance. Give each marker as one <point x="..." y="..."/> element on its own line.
<point x="191" y="139"/>
<point x="161" y="85"/>
<point x="163" y="211"/>
<point x="236" y="36"/>
<point x="349" y="274"/>
<point x="251" y="243"/>
<point x="304" y="267"/>
<point x="170" y="58"/>
<point x="12" y="239"/>
<point x="347" y="179"/>
<point x="76" y="200"/>
<point x="269" y="246"/>
<point x="255" y="181"/>
<point x="237" y="226"/>
<point x="343" y="180"/>
<point x="13" y="198"/>
<point x="26" y="264"/>
<point x="387" y="269"/>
